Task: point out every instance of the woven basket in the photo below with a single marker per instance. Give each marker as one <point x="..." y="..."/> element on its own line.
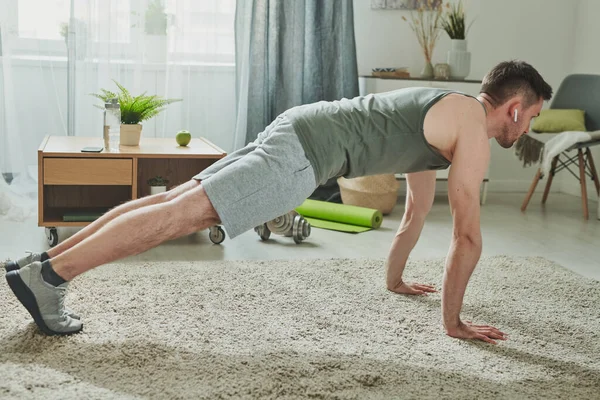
<point x="379" y="192"/>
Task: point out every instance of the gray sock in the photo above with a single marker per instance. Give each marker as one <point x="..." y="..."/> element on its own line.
<point x="49" y="275"/>
<point x="44" y="257"/>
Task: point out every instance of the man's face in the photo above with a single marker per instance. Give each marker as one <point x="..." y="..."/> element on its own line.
<point x="511" y="131"/>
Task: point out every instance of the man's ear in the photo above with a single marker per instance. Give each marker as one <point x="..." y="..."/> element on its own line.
<point x="514" y="106"/>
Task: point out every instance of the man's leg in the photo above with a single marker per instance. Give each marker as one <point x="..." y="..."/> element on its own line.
<point x="99" y="223"/>
<point x="115" y="212"/>
<point x="41" y="287"/>
<point x="139" y="230"/>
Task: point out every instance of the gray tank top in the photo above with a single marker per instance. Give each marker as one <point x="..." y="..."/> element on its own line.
<point x="369" y="135"/>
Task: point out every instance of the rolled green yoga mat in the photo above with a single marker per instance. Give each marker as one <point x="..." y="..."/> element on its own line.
<point x="340" y="217"/>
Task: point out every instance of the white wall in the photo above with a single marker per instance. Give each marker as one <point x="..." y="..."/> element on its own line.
<point x="540" y="32"/>
<point x="586" y="59"/>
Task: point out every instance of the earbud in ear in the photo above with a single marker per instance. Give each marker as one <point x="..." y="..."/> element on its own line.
<point x="516" y="111"/>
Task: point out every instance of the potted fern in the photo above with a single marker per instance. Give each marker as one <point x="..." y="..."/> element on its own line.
<point x="134" y="110"/>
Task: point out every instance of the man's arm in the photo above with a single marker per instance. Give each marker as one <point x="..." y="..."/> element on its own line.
<point x="419" y="198"/>
<point x="469" y="164"/>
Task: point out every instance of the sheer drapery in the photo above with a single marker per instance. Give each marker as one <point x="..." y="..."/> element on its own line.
<point x="55" y="53"/>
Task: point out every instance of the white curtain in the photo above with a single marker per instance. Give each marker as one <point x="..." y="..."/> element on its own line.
<point x="55" y="53"/>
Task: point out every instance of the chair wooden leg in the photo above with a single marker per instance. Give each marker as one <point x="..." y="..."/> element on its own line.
<point x="550" y="178"/>
<point x="593" y="169"/>
<point x="582" y="181"/>
<point x="536" y="179"/>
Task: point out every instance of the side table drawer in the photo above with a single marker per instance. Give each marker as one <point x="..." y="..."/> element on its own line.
<point x="88" y="171"/>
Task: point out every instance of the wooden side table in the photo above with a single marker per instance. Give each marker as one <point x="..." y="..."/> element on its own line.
<point x="72" y="183"/>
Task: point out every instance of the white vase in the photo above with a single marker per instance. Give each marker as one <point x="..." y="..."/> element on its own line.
<point x="157" y="189"/>
<point x="459" y="59"/>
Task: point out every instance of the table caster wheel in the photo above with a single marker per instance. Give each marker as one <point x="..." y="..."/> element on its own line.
<point x="216" y="234"/>
<point x="263" y="231"/>
<point x="52" y="236"/>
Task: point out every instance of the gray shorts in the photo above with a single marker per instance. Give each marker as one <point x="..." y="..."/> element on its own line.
<point x="268" y="178"/>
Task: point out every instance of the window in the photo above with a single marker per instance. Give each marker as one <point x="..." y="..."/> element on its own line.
<point x="34" y="27"/>
<point x="42" y="19"/>
<point x="197" y="30"/>
<point x="110" y="21"/>
<point x="204" y="30"/>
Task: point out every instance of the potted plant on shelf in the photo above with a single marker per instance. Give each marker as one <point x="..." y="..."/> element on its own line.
<point x="155" y="22"/>
<point x="425" y="23"/>
<point x="155" y="28"/>
<point x="134" y="110"/>
<point x="459" y="58"/>
<point x="158" y="184"/>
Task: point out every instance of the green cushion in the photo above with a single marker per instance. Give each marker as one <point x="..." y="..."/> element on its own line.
<point x="556" y="121"/>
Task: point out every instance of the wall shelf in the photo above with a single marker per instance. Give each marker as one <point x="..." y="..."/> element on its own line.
<point x="423" y="79"/>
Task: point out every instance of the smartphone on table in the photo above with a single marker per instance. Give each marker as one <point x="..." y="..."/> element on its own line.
<point x="92" y="149"/>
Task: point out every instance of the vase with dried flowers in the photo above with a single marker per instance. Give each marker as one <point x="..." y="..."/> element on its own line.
<point x="425" y="23"/>
<point x="453" y="22"/>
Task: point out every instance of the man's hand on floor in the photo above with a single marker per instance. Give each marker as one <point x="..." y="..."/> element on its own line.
<point x="481" y="332"/>
<point x="413" y="288"/>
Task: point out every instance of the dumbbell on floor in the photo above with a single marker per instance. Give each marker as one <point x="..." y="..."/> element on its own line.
<point x="291" y="224"/>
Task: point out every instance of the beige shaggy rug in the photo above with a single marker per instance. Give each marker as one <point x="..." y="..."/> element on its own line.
<point x="323" y="329"/>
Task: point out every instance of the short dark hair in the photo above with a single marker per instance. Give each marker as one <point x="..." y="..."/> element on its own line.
<point x="511" y="78"/>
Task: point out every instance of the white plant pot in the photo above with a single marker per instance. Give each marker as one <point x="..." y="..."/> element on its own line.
<point x="157" y="189"/>
<point x="459" y="59"/>
<point x="130" y="134"/>
<point x="155" y="48"/>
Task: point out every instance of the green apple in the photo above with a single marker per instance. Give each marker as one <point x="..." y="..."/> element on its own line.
<point x="183" y="138"/>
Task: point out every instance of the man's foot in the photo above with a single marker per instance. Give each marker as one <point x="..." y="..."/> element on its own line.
<point x="22" y="262"/>
<point x="44" y="302"/>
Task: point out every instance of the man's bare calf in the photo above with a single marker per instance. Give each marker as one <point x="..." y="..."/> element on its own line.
<point x="140" y="229"/>
<point x="92" y="228"/>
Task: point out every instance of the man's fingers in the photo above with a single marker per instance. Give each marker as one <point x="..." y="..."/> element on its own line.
<point x="485" y="338"/>
<point x="411" y="291"/>
<point x="492" y="334"/>
<point x="427" y="288"/>
<point x="488" y="328"/>
<point x="495" y="330"/>
<point x="499" y="332"/>
<point x="423" y="288"/>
